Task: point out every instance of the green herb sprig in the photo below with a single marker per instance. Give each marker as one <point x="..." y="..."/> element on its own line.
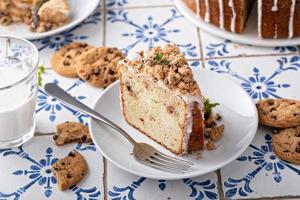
<point x="158" y="59"/>
<point x="208" y="107"/>
<point x="41" y="71"/>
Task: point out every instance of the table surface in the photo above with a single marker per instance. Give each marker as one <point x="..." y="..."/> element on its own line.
<point x="132" y="25"/>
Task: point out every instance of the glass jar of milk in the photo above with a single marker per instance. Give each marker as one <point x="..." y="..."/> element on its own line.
<point x="18" y="89"/>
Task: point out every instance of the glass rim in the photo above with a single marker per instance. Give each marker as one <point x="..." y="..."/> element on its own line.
<point x="35" y="64"/>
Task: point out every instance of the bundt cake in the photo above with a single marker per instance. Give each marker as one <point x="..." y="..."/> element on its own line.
<point x="161" y="99"/>
<point x="276" y="18"/>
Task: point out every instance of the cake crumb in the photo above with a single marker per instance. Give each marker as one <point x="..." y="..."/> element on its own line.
<point x="210" y="146"/>
<point x="198" y="155"/>
<point x="216" y="133"/>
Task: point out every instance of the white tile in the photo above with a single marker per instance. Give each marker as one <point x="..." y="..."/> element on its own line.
<point x="122" y="185"/>
<point x="27" y="169"/>
<point x="137" y="3"/>
<point x="214" y="47"/>
<point x="139" y="29"/>
<point x="258" y="172"/>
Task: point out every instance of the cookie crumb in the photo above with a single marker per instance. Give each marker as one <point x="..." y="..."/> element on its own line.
<point x="210" y="146"/>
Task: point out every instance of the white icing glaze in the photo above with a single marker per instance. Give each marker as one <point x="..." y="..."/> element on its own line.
<point x="233" y="18"/>
<point x="207" y="13"/>
<point x="291" y="20"/>
<point x="134" y="56"/>
<point x="221" y="17"/>
<point x="259" y="17"/>
<point x="275" y="6"/>
<point x="198" y="8"/>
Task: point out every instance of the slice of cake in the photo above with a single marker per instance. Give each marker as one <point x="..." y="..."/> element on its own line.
<point x="161" y="99"/>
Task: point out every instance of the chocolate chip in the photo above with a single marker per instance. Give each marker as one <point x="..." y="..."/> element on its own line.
<point x="69" y="56"/>
<point x="272" y="109"/>
<point x="113" y="79"/>
<point x="83" y="45"/>
<point x="274" y="117"/>
<point x="295" y="114"/>
<point x="63" y="164"/>
<point x="55" y="168"/>
<point x="128" y="87"/>
<point x="271" y="103"/>
<point x="105" y="81"/>
<point x="110" y="50"/>
<point x="83" y="138"/>
<point x="55" y="137"/>
<point x="111" y="72"/>
<point x="96" y="71"/>
<point x="69" y="176"/>
<point x="67" y="63"/>
<point x="67" y="122"/>
<point x="71" y="154"/>
<point x="82" y="174"/>
<point x="87" y="77"/>
<point x="298" y="149"/>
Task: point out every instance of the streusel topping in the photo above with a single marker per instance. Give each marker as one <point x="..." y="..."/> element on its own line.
<point x="168" y="65"/>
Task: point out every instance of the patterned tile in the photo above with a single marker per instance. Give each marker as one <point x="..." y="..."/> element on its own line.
<point x="139" y="29"/>
<point x="50" y="111"/>
<point x="122" y="185"/>
<point x="214" y="47"/>
<point x="137" y="3"/>
<point x="261" y="77"/>
<point x="28" y="170"/>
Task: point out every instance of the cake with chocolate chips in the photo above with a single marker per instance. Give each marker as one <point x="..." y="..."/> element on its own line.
<point x="40" y="15"/>
<point x="161" y="99"/>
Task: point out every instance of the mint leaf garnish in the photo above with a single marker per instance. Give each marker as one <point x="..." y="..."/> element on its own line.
<point x="208" y="107"/>
<point x="41" y="71"/>
<point x="158" y="59"/>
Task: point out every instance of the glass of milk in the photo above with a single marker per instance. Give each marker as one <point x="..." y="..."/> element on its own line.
<point x="18" y="90"/>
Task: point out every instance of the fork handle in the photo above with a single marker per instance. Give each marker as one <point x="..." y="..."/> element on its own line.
<point x="57" y="92"/>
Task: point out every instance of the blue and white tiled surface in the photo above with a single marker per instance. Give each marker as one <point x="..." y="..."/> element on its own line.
<point x="136" y="24"/>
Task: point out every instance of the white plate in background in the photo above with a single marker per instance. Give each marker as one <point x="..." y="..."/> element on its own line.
<point x="79" y="11"/>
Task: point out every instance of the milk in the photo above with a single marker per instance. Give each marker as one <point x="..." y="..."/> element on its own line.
<point x="17" y="104"/>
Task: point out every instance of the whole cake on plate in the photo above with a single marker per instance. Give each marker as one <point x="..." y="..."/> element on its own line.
<point x="40" y="15"/>
<point x="275" y="18"/>
<point x="161" y="99"/>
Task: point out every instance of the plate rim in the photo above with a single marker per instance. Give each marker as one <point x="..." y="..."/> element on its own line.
<point x="239" y="38"/>
<point x="91" y="122"/>
<point x="66" y="27"/>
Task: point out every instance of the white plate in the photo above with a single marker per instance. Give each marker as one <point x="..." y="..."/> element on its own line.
<point x="237" y="109"/>
<point x="249" y="36"/>
<point x="80" y="10"/>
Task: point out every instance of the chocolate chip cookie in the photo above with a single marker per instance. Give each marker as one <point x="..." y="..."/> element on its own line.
<point x="99" y="66"/>
<point x="279" y="113"/>
<point x="286" y="144"/>
<point x="69" y="170"/>
<point x="63" y="61"/>
<point x="71" y="132"/>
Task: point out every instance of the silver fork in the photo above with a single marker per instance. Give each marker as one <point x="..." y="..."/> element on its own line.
<point x="142" y="152"/>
